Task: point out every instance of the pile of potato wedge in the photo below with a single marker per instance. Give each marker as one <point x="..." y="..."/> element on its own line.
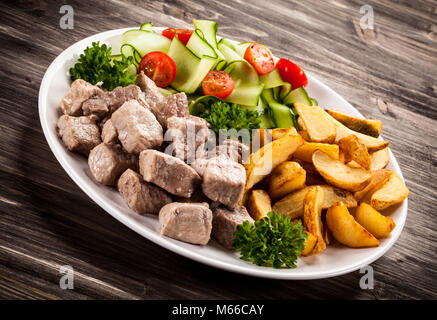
<point x="330" y="175"/>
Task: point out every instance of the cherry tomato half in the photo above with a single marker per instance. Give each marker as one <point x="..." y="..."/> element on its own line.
<point x="159" y="67"/>
<point x="291" y="73"/>
<point x="183" y="34"/>
<point x="260" y="58"/>
<point x="218" y="83"/>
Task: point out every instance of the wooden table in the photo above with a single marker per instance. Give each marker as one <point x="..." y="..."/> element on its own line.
<point x="46" y="221"/>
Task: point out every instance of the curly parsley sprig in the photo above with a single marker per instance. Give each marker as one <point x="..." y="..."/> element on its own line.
<point x="96" y="65"/>
<point x="225" y="116"/>
<point x="274" y="241"/>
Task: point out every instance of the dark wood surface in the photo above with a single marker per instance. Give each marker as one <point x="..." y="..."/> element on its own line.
<point x="46" y="221"/>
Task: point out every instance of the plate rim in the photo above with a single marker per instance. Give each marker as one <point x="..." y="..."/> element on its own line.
<point x="262" y="272"/>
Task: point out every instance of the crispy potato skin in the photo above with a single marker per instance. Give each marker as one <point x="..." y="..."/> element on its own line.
<point x="374" y="222"/>
<point x="259" y="204"/>
<point x="315" y="122"/>
<point x="305" y="151"/>
<point x="312" y="176"/>
<point x="338" y="174"/>
<point x="354" y="150"/>
<point x="310" y="243"/>
<point x="368" y="127"/>
<point x="379" y="159"/>
<point x="372" y="144"/>
<point x="346" y="230"/>
<point x="312" y="217"/>
<point x="392" y="192"/>
<point x="378" y="178"/>
<point x="278" y="133"/>
<point x="286" y="178"/>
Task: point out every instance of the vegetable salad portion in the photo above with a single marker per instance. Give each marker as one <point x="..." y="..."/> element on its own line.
<point x="250" y="89"/>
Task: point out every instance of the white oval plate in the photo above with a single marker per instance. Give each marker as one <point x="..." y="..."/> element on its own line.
<point x="333" y="262"/>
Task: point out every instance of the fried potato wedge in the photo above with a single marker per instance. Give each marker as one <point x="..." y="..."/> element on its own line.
<point x="374" y="222"/>
<point x="310" y="243"/>
<point x="353" y="150"/>
<point x="378" y="178"/>
<point x="313" y="177"/>
<point x="316" y="123"/>
<point x="286" y="178"/>
<point x="278" y="133"/>
<point x="259" y="204"/>
<point x="305" y="151"/>
<point x="292" y="205"/>
<point x="262" y="162"/>
<point x="332" y="195"/>
<point x="379" y="159"/>
<point x="392" y="192"/>
<point x="304" y="135"/>
<point x="368" y="127"/>
<point x="312" y="217"/>
<point x="346" y="230"/>
<point x="338" y="174"/>
<point x="372" y="144"/>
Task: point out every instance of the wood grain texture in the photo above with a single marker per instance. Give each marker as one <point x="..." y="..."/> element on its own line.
<point x="46" y="221"/>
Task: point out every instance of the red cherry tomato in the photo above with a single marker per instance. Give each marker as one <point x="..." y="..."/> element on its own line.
<point x="183" y="34"/>
<point x="291" y="73"/>
<point x="218" y="83"/>
<point x="260" y="58"/>
<point x="159" y="67"/>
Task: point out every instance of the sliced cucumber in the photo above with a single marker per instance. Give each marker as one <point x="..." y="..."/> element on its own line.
<point x="227" y="42"/>
<point x="297" y="95"/>
<point x="209" y="30"/>
<point x="272" y="79"/>
<point x="190" y="69"/>
<point x="247" y="85"/>
<point x="199" y="46"/>
<point x="241" y="48"/>
<point x="144" y="42"/>
<point x="167" y="91"/>
<point x="281" y="114"/>
<point x="148" y="26"/>
<point x="266" y="121"/>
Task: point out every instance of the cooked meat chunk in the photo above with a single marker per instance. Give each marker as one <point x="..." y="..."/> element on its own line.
<point x="169" y="173"/>
<point x="77" y="94"/>
<point x="197" y="197"/>
<point x="79" y="134"/>
<point x="223" y="181"/>
<point x="109" y="134"/>
<point x="199" y="165"/>
<point x="137" y="127"/>
<point x="140" y="196"/>
<point x="108" y="102"/>
<point x="225" y="222"/>
<point x="107" y="162"/>
<point x="188" y="222"/>
<point x="234" y="149"/>
<point x="174" y="105"/>
<point x="151" y="92"/>
<point x="162" y="107"/>
<point x="186" y="136"/>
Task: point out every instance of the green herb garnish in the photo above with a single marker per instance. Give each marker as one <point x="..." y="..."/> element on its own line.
<point x="95" y="65"/>
<point x="274" y="241"/>
<point x="226" y="116"/>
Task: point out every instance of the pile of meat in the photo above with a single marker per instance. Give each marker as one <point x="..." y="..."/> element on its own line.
<point x="127" y="134"/>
